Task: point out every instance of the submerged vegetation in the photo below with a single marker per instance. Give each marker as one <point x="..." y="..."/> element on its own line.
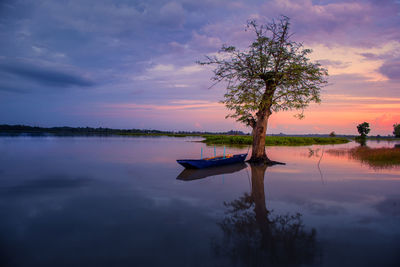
<point x="378" y="158"/>
<point x="274" y="140"/>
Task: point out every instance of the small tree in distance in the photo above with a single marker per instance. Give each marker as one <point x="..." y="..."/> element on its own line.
<point x="363" y="129"/>
<point x="272" y="74"/>
<point x="396" y="130"/>
<point x="332" y="134"/>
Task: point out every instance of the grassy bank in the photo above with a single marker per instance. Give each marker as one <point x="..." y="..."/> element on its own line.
<point x="273" y="140"/>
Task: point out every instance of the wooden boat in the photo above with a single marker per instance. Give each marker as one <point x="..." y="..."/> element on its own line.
<point x="194" y="174"/>
<point x="212" y="162"/>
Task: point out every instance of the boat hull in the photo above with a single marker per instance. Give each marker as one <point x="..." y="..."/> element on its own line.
<point x="204" y="163"/>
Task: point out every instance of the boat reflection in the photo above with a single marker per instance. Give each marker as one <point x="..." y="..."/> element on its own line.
<point x="194" y="174"/>
<point x="254" y="236"/>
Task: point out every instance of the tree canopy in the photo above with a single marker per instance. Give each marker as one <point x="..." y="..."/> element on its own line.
<point x="396" y="129"/>
<point x="363" y="129"/>
<point x="274" y="73"/>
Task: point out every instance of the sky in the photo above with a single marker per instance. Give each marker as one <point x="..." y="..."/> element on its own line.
<point x="131" y="64"/>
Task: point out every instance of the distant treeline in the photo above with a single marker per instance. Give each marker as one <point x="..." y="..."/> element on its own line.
<point x="86" y="131"/>
<point x="65" y="130"/>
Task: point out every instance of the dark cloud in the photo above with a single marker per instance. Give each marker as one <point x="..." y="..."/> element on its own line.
<point x="172" y="15"/>
<point x="360" y="22"/>
<point x="356" y="84"/>
<point x="45" y="75"/>
<point x="334" y="63"/>
<point x="370" y="56"/>
<point x="391" y="66"/>
<point x="391" y="69"/>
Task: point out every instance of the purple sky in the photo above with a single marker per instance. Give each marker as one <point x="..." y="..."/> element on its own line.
<point x="131" y="64"/>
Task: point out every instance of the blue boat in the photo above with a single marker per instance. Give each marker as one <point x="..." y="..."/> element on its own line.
<point x="212" y="162"/>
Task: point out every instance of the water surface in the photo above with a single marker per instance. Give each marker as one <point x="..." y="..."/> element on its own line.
<point x="116" y="201"/>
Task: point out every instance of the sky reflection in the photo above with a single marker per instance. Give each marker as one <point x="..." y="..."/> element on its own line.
<point x="104" y="201"/>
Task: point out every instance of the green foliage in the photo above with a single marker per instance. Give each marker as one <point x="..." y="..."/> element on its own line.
<point x="273" y="140"/>
<point x="396" y="130"/>
<point x="363" y="129"/>
<point x="272" y="74"/>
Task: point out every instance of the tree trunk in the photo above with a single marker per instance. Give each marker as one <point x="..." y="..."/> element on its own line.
<point x="259" y="132"/>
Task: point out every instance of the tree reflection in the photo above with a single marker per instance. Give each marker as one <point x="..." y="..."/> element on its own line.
<point x="361" y="140"/>
<point x="253" y="236"/>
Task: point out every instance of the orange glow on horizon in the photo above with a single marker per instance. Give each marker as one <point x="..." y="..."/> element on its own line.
<point x="339" y="113"/>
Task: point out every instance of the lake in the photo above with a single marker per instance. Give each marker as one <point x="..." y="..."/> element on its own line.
<point x="124" y="201"/>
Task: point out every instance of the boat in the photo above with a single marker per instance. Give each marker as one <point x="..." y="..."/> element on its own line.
<point x="194" y="174"/>
<point x="212" y="162"/>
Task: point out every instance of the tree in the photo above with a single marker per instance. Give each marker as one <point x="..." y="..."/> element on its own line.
<point x="363" y="129"/>
<point x="332" y="134"/>
<point x="271" y="75"/>
<point x="396" y="129"/>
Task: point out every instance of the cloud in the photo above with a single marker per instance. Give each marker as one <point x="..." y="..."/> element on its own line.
<point x="360" y="86"/>
<point x="371" y="56"/>
<point x="357" y="22"/>
<point x="173" y="105"/>
<point x="391" y="69"/>
<point x="356" y="60"/>
<point x="334" y="63"/>
<point x="45" y="75"/>
<point x="172" y="14"/>
<point x="162" y="68"/>
<point x="203" y="42"/>
<point x="191" y="69"/>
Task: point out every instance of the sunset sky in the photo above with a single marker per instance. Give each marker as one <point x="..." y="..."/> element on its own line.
<point x="131" y="64"/>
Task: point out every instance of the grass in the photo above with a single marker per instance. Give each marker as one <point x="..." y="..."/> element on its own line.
<point x="273" y="140"/>
<point x="377" y="158"/>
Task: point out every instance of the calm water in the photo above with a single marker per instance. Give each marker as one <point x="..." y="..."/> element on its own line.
<point x="109" y="201"/>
